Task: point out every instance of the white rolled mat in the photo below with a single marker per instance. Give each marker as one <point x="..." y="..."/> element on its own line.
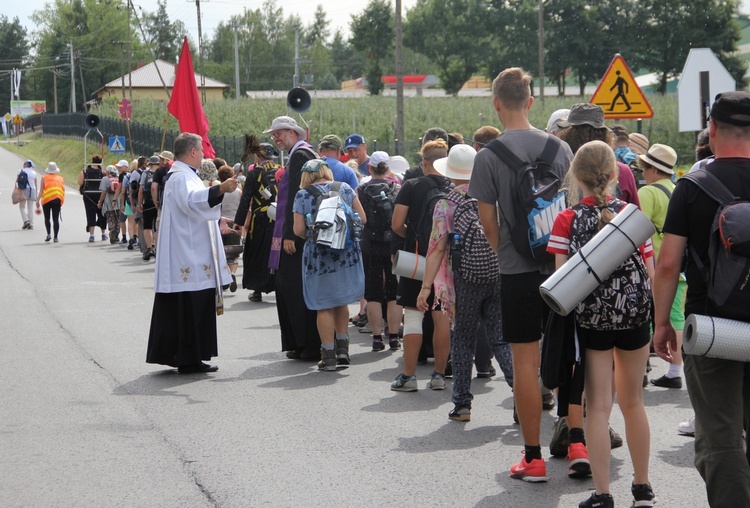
<point x="408" y="264"/>
<point x="607" y="250"/>
<point x="717" y="338"/>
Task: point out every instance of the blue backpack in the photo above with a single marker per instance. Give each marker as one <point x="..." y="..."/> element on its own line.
<point x="23" y="180"/>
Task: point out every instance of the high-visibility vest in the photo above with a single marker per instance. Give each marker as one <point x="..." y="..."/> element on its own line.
<point x="54" y="188"/>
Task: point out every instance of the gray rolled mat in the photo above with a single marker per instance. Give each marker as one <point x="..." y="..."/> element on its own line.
<point x="717" y="338"/>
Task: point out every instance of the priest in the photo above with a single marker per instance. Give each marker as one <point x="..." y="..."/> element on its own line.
<point x="191" y="267"/>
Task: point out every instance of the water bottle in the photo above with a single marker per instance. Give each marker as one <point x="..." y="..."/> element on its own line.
<point x="456" y="249"/>
<point x="309" y="220"/>
<point x="383" y="197"/>
<point x="356" y="228"/>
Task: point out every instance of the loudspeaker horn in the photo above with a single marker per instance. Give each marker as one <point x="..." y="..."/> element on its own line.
<point x="91" y="121"/>
<point x="298" y="99"/>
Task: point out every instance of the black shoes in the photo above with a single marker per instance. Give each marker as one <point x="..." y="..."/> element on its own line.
<point x="598" y="501"/>
<point x="233" y="284"/>
<point x="255" y="296"/>
<point x="199" y="368"/>
<point x="147" y="255"/>
<point x="668" y="382"/>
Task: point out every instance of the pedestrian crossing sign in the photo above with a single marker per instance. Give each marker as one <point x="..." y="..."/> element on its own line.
<point x="117" y="144"/>
<point x="619" y="95"/>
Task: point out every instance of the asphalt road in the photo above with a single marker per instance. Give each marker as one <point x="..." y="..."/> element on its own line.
<point x="84" y="421"/>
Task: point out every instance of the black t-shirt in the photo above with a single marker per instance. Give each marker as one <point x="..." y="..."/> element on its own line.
<point x="158" y="177"/>
<point x="691" y="215"/>
<point x="412" y="194"/>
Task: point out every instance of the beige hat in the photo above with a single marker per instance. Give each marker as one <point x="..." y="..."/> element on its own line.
<point x="167" y="155"/>
<point x="459" y="163"/>
<point x="662" y="157"/>
<point x="52" y="168"/>
<point x="286" y="122"/>
<point x="638" y="143"/>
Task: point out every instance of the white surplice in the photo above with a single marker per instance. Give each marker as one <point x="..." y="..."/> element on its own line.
<point x="184" y="259"/>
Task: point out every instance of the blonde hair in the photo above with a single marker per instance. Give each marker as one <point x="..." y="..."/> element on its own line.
<point x="512" y="87"/>
<point x="308" y="177"/>
<point x="433" y="150"/>
<point x="595" y="166"/>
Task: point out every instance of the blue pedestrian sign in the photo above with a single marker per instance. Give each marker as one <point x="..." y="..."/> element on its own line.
<point x="117" y="144"/>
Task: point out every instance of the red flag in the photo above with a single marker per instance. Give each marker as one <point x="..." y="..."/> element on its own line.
<point x="185" y="103"/>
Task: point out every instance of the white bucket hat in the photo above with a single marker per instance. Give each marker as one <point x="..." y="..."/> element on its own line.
<point x="459" y="163"/>
<point x="398" y="164"/>
<point x="52" y="168"/>
<point x="286" y="122"/>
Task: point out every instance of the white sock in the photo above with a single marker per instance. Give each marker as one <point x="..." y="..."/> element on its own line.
<point x="675" y="370"/>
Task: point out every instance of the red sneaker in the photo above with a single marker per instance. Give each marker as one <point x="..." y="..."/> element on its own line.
<point x="578" y="461"/>
<point x="534" y="471"/>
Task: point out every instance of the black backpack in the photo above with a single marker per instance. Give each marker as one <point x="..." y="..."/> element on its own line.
<point x="471" y="254"/>
<point x="728" y="275"/>
<point x="623" y="300"/>
<point x="92" y="178"/>
<point x="135" y="183"/>
<point x="378" y="201"/>
<point x="423" y="227"/>
<point x="147" y="198"/>
<point x="23" y="180"/>
<point x="538" y="198"/>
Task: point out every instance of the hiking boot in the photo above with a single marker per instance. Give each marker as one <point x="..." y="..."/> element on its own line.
<point x="615" y="441"/>
<point x="598" y="501"/>
<point x="437" y="381"/>
<point x="327" y="360"/>
<point x="404" y="384"/>
<point x="578" y="461"/>
<point x="377" y="345"/>
<point x="460" y="413"/>
<point x="394" y="344"/>
<point x="533" y="472"/>
<point x="558" y="445"/>
<point x="668" y="382"/>
<point x="687" y="428"/>
<point x="548" y="401"/>
<point x="643" y="495"/>
<point x="342" y="353"/>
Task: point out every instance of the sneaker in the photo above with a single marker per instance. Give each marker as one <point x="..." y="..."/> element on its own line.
<point x="668" y="382"/>
<point x="92" y="239"/>
<point x="342" y="353"/>
<point x="233" y="284"/>
<point x="31" y="226"/>
<point x="643" y="495"/>
<point x="359" y="321"/>
<point x="48" y="238"/>
<point x="404" y="384"/>
<point x="558" y="445"/>
<point x="437" y="382"/>
<point x="105" y="237"/>
<point x="394" y="344"/>
<point x="578" y="461"/>
<point x="131" y="243"/>
<point x="147" y="255"/>
<point x="687" y="428"/>
<point x="598" y="501"/>
<point x="55" y="241"/>
<point x="25" y="225"/>
<point x="124" y="241"/>
<point x="255" y="296"/>
<point x="327" y="360"/>
<point x="460" y="413"/>
<point x="548" y="401"/>
<point x="485" y="374"/>
<point x="533" y="472"/>
<point x="615" y="441"/>
<point x="377" y="345"/>
<point x="366" y="328"/>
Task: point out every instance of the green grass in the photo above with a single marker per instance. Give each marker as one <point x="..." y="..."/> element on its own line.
<point x="66" y="153"/>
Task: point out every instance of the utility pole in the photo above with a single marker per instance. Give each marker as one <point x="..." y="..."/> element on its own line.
<point x="122" y="64"/>
<point x="400" y="146"/>
<point x="236" y="64"/>
<point x="54" y="85"/>
<point x="295" y="80"/>
<point x="200" y="52"/>
<point x="130" y="55"/>
<point x="541" y="51"/>
<point x="72" y="79"/>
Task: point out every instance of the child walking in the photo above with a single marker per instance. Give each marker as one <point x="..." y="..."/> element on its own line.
<point x="612" y="324"/>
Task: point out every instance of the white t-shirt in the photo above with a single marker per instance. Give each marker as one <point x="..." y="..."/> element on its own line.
<point x="30" y="191"/>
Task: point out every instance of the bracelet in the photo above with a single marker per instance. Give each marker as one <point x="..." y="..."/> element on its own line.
<point x="426" y="287"/>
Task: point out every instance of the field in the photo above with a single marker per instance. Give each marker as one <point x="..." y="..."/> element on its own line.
<point x="374" y="117"/>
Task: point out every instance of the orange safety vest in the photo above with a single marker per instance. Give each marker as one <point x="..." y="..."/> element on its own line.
<point x="54" y="188"/>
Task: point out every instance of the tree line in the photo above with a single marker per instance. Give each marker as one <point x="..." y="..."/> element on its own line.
<point x="453" y="39"/>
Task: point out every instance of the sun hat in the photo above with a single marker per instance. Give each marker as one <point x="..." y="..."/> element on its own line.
<point x="638" y="143"/>
<point x="555" y="117"/>
<point x="52" y="168"/>
<point x="154" y="160"/>
<point x="377" y="157"/>
<point x="354" y="140"/>
<point x="662" y="157"/>
<point x="732" y="108"/>
<point x="111" y="170"/>
<point x="398" y="164"/>
<point x="458" y="164"/>
<point x="167" y="155"/>
<point x="286" y="123"/>
<point x="584" y="113"/>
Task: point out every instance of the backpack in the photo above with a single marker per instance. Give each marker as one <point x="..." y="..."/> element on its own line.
<point x="471" y="254"/>
<point x="23" y="180"/>
<point x="92" y="177"/>
<point x="728" y="273"/>
<point x="623" y="300"/>
<point x="537" y="199"/>
<point x="135" y="183"/>
<point x="423" y="227"/>
<point x="114" y="184"/>
<point x="147" y="197"/>
<point x="327" y="233"/>
<point x="378" y="204"/>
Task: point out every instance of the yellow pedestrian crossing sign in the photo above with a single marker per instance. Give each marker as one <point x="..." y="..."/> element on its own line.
<point x="117" y="144"/>
<point x="619" y="95"/>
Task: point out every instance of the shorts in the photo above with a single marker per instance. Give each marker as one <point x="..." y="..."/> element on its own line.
<point x="523" y="309"/>
<point x="677" y="314"/>
<point x="149" y="216"/>
<point x="380" y="284"/>
<point x="604" y="340"/>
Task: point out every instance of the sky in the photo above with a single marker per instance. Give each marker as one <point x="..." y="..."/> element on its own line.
<point x="214" y="12"/>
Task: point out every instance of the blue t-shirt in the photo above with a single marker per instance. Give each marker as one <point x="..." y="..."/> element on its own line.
<point x="342" y="172"/>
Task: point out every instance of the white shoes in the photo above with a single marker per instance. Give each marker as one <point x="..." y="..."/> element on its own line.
<point x="687" y="428"/>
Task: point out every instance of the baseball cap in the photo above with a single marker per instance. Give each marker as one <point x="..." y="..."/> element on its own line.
<point x="377" y="157"/>
<point x="354" y="140"/>
<point x="732" y="108"/>
<point x="331" y="141"/>
<point x="123" y="162"/>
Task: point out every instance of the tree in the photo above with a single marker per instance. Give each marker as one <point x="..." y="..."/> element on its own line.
<point x="164" y="36"/>
<point x="513" y="25"/>
<point x="348" y="63"/>
<point x="373" y="33"/>
<point x="457" y="52"/>
<point x="15" y="52"/>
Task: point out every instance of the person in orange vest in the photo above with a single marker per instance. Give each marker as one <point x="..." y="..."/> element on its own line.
<point x="51" y="197"/>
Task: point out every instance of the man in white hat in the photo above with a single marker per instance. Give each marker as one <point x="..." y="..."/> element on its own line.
<point x="298" y="324"/>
